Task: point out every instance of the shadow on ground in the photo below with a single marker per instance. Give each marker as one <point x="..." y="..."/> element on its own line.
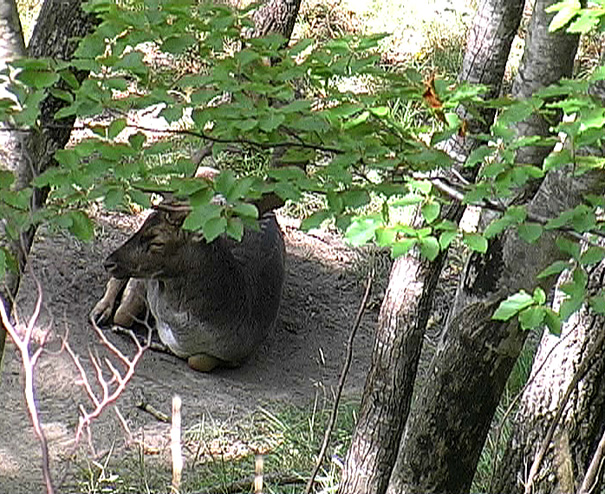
<point x="299" y="361"/>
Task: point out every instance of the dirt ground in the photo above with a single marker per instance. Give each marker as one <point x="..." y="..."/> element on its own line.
<point x="300" y="359"/>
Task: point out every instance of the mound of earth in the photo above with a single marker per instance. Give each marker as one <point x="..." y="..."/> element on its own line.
<point x="301" y="358"/>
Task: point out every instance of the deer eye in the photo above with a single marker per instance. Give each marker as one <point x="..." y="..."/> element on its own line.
<point x="155" y="245"/>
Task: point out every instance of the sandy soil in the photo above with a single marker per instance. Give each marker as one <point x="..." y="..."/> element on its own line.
<point x="302" y="357"/>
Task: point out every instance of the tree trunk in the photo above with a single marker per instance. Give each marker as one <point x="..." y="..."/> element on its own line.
<point x="276" y="16"/>
<point x="583" y="422"/>
<point x="56" y="34"/>
<point x="446" y="432"/>
<point x="389" y="385"/>
<point x="11" y="156"/>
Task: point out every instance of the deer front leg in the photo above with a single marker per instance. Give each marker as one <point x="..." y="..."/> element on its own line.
<point x="132" y="305"/>
<point x="101" y="312"/>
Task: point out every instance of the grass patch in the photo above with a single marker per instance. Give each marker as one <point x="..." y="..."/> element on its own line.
<point x="220" y="454"/>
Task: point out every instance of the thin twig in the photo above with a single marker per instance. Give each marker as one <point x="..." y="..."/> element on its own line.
<point x="29" y="362"/>
<point x="341" y="383"/>
<point x="590" y="479"/>
<point x="175" y="445"/>
<point x="150" y="409"/>
<point x="117" y="381"/>
<point x="578" y="376"/>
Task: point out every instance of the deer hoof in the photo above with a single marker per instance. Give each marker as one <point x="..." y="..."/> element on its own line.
<point x="101" y="313"/>
<point x="203" y="363"/>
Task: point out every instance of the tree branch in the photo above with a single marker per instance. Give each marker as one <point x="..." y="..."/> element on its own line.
<point x="341" y="383"/>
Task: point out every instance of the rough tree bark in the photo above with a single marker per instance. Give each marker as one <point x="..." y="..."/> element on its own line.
<point x="276" y="16"/>
<point x="404" y="312"/>
<point x="56" y="34"/>
<point x="583" y="422"/>
<point x="559" y="361"/>
<point x="11" y="156"/>
<point x="447" y="428"/>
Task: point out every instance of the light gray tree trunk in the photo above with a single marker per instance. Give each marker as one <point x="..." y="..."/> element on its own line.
<point x="409" y="297"/>
<point x="12" y="158"/>
<point x="447" y="428"/>
<point x="583" y="422"/>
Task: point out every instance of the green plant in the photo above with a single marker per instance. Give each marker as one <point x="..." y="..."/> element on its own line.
<point x="355" y="149"/>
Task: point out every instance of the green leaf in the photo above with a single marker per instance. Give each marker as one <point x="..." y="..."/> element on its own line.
<point x="2" y="264"/>
<point x="225" y="182"/>
<point x="355" y="198"/>
<point x="429" y="247"/>
<point x="213" y="228"/>
<point x="497" y="226"/>
<point x="568" y="247"/>
<point x="592" y="255"/>
<point x="139" y="198"/>
<point x="358" y="120"/>
<point x="585" y="23"/>
<point x="597" y="303"/>
<point x="246" y="210"/>
<point x="62" y="95"/>
<point x="235" y="228"/>
<point x="539" y="296"/>
<point x="430" y="211"/>
<point x="385" y="237"/>
<point x="553" y="321"/>
<point x="116" y="127"/>
<point x="478" y="155"/>
<point x="271" y="121"/>
<point x="402" y="247"/>
<point x="532" y="317"/>
<point x="200" y="215"/>
<point x="569" y="306"/>
<point x="362" y="229"/>
<point x="315" y="220"/>
<point x="6" y="179"/>
<point x="81" y="226"/>
<point x="137" y="140"/>
<point x="177" y="44"/>
<point x="446" y="238"/>
<point x="380" y="111"/>
<point x="475" y="242"/>
<point x="38" y="79"/>
<point x="513" y="305"/>
<point x="566" y="10"/>
<point x="530" y="232"/>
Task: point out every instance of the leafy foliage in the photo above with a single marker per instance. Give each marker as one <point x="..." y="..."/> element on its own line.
<point x="342" y="142"/>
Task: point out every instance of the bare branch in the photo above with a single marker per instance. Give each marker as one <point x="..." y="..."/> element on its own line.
<point x="112" y="388"/>
<point x="341" y="383"/>
<point x="29" y="361"/>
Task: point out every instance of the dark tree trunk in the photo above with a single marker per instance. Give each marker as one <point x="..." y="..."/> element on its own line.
<point x="60" y="25"/>
<point x="389" y="385"/>
<point x="583" y="422"/>
<point x="448" y="426"/>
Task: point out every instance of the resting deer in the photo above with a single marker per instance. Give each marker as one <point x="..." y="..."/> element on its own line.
<point x="213" y="303"/>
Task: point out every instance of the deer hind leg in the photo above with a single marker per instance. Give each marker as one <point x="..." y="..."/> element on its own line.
<point x="101" y="312"/>
<point x="203" y="362"/>
<point x="133" y="304"/>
